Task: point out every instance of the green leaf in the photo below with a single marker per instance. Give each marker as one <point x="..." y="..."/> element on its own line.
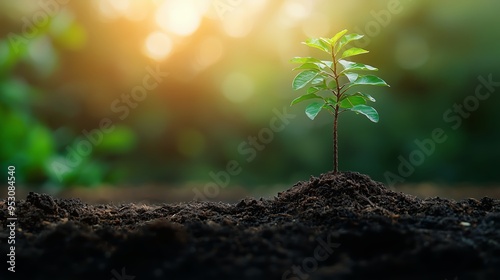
<point x="311" y="90"/>
<point x="327" y="63"/>
<point x="319" y="81"/>
<point x="366" y="96"/>
<point x="311" y="66"/>
<point x="353" y="51"/>
<point x="303" y="78"/>
<point x="315" y="89"/>
<point x="326" y="42"/>
<point x="330" y="104"/>
<point x="368" y="111"/>
<point x="370" y="80"/>
<point x="351" y="76"/>
<point x="332" y="84"/>
<point x="346" y="40"/>
<point x="337" y="36"/>
<point x="303" y="60"/>
<point x="351" y="101"/>
<point x="318" y="43"/>
<point x="322" y="64"/>
<point x="353" y="66"/>
<point x="313" y="109"/>
<point x="329" y="107"/>
<point x="305" y="97"/>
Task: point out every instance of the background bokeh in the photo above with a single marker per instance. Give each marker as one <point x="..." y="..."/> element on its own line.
<point x="63" y="64"/>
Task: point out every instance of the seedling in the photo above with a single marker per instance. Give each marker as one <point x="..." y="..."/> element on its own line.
<point x="337" y="76"/>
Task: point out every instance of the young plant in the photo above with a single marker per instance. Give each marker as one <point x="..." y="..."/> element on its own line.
<point x="337" y="76"/>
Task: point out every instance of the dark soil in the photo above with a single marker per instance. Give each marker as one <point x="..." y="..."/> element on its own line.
<point x="342" y="226"/>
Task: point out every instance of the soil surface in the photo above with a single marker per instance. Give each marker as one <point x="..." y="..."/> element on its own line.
<point x="343" y="226"/>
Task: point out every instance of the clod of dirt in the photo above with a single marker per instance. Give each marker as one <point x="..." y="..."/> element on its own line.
<point x="43" y="201"/>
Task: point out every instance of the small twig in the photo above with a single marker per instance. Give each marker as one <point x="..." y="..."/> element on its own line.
<point x="376" y="206"/>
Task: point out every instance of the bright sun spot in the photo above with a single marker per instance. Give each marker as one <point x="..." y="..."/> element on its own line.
<point x="158" y="45"/>
<point x="296" y="10"/>
<point x="181" y="17"/>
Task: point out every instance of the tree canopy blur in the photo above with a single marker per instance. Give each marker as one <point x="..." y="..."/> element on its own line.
<point x="114" y="91"/>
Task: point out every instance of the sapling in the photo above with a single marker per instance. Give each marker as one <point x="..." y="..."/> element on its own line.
<point x="337" y="76"/>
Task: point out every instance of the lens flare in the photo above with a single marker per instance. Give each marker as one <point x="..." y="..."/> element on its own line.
<point x="181" y="17"/>
<point x="158" y="45"/>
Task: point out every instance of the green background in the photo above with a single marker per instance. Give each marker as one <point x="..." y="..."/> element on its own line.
<point x="222" y="88"/>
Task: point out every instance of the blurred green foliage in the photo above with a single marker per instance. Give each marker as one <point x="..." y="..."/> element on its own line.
<point x="28" y="140"/>
<point x="63" y="80"/>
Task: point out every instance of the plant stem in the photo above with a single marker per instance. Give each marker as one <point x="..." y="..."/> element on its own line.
<point x="335" y="141"/>
<point x="336" y="115"/>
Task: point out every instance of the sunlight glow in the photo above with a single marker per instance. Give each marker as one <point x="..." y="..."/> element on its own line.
<point x="158" y="45"/>
<point x="238" y="26"/>
<point x="181" y="17"/>
<point x="209" y="52"/>
<point x="296" y="10"/>
<point x="132" y="10"/>
<point x="318" y="25"/>
<point x="120" y="5"/>
<point x="105" y="9"/>
<point x="239" y="21"/>
<point x="136" y="11"/>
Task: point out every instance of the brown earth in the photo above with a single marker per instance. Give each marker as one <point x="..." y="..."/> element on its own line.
<point x="343" y="226"/>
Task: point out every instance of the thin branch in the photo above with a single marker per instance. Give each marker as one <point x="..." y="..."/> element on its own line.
<point x="330" y="75"/>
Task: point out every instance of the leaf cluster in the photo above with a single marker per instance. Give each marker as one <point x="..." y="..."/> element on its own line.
<point x="337" y="76"/>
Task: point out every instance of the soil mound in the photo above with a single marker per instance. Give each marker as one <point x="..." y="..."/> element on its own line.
<point x="335" y="226"/>
<point x="344" y="194"/>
